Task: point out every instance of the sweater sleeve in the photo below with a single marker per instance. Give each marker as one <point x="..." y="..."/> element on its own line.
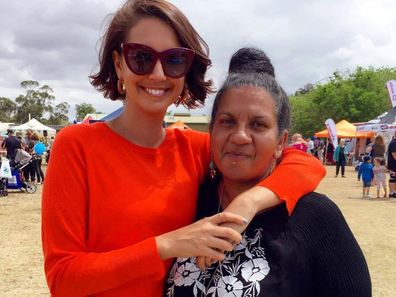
<point x="302" y="172"/>
<point x="338" y="263"/>
<point x="71" y="267"/>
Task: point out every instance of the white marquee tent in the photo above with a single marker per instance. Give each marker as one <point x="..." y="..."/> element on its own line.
<point x="4" y="126"/>
<point x="34" y="125"/>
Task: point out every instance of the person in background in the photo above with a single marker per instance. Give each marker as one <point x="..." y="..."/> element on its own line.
<point x="29" y="172"/>
<point x="299" y="143"/>
<point x="379" y="170"/>
<point x="369" y="147"/>
<point x="311" y="146"/>
<point x="312" y="253"/>
<point x="391" y="164"/>
<point x="340" y="156"/>
<point x="119" y="197"/>
<point x="48" y="152"/>
<point x="378" y="148"/>
<point x="320" y="150"/>
<point x="19" y="136"/>
<point x="329" y="152"/>
<point x="37" y="159"/>
<point x="367" y="175"/>
<point x="11" y="144"/>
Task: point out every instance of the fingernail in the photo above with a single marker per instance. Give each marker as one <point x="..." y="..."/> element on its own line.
<point x="245" y="221"/>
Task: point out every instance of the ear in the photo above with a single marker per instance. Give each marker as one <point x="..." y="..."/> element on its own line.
<point x="282" y="142"/>
<point x="117" y="60"/>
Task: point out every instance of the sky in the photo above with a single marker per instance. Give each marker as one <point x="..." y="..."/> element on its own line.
<point x="57" y="42"/>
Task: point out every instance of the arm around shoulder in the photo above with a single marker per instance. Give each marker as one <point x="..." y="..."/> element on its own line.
<point x="297" y="174"/>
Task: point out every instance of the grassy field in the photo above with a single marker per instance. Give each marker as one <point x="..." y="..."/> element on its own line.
<point x="372" y="221"/>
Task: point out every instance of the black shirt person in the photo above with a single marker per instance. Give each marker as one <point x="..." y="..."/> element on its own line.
<point x="11" y="143"/>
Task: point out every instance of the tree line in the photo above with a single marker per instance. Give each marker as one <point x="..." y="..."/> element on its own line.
<point x="39" y="102"/>
<point x="359" y="96"/>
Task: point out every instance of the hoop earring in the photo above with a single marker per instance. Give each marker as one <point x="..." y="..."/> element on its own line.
<point x="121" y="87"/>
<point x="212" y="170"/>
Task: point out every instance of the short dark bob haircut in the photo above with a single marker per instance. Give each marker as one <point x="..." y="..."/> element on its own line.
<point x="196" y="88"/>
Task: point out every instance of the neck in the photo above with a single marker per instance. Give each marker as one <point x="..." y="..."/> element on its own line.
<point x="140" y="128"/>
<point x="229" y="189"/>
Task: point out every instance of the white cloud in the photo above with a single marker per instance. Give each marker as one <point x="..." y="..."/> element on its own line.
<point x="56" y="42"/>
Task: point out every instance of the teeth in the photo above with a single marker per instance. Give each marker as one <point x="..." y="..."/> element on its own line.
<point x="155" y="92"/>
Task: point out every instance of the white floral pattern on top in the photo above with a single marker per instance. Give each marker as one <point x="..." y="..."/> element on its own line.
<point x="238" y="275"/>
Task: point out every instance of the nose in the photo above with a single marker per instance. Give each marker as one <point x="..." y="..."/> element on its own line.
<point x="158" y="72"/>
<point x="240" y="136"/>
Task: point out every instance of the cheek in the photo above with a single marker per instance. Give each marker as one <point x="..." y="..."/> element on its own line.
<point x="178" y="83"/>
<point x="266" y="147"/>
<point x="216" y="145"/>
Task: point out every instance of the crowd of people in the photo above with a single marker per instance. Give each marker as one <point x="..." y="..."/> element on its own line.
<point x="376" y="162"/>
<point x="33" y="147"/>
<point x="372" y="165"/>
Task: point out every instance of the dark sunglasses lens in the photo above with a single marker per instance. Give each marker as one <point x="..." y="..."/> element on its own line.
<point x="176" y="63"/>
<point x="141" y="61"/>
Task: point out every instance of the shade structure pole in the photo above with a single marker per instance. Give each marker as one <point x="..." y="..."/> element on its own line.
<point x="325" y="155"/>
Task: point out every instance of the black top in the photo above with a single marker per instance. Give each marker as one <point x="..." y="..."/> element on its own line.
<point x="391" y="160"/>
<point x="311" y="253"/>
<point x="341" y="154"/>
<point x="11" y="143"/>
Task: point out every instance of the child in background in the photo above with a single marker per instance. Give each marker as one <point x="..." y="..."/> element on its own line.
<point x="299" y="143"/>
<point x="379" y="175"/>
<point x="367" y="174"/>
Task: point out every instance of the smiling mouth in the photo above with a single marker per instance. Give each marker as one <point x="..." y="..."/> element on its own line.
<point x="155" y="91"/>
<point x="237" y="155"/>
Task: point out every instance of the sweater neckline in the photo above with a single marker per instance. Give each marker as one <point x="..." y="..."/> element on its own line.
<point x="166" y="143"/>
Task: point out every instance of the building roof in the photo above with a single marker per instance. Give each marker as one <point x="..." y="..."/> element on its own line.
<point x="191" y="119"/>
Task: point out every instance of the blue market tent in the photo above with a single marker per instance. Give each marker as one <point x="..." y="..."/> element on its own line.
<point x="112" y="115"/>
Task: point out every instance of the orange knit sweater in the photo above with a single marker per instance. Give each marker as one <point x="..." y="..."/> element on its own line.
<point x="105" y="199"/>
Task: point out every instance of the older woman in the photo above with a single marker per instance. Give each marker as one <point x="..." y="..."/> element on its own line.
<point x="340" y="156"/>
<point x="310" y="253"/>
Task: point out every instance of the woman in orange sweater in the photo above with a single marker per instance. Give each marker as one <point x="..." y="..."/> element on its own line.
<point x="117" y="195"/>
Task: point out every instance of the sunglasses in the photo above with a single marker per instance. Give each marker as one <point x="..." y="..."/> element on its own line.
<point x="141" y="59"/>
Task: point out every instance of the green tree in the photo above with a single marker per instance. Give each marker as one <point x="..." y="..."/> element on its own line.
<point x="59" y="114"/>
<point x="356" y="97"/>
<point x="8" y="109"/>
<point x="83" y="109"/>
<point x="36" y="102"/>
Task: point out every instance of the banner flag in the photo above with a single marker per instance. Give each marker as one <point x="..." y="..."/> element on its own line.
<point x="332" y="130"/>
<point x="391" y="85"/>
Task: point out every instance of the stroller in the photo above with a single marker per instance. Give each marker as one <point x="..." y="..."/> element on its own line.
<point x="17" y="182"/>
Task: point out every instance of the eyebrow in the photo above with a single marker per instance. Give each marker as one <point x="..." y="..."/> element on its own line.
<point x="259" y="117"/>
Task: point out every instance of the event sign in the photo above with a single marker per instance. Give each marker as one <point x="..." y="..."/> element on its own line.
<point x="332" y="130"/>
<point x="376" y="128"/>
<point x="391" y="86"/>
